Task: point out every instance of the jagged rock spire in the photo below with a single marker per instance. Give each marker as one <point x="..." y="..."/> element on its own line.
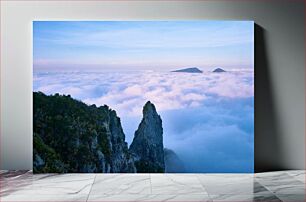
<point x="147" y="146"/>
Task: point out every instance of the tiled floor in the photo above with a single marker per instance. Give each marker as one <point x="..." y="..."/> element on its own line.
<point x="272" y="186"/>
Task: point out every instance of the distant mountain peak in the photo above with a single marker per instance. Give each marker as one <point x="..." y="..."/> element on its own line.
<point x="189" y="70"/>
<point x="218" y="70"/>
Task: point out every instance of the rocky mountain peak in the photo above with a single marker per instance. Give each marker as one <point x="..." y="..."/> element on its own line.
<point x="92" y="142"/>
<point x="219" y="70"/>
<point x="95" y="140"/>
<point x="147" y="146"/>
<point x="189" y="70"/>
<point x="149" y="111"/>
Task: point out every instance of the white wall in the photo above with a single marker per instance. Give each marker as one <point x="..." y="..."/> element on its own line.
<point x="280" y="73"/>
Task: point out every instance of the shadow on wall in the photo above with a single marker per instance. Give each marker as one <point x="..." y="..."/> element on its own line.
<point x="267" y="148"/>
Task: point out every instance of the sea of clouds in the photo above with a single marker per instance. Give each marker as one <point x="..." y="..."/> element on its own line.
<point x="208" y="118"/>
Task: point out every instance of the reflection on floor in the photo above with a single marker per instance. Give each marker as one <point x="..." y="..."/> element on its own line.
<point x="272" y="186"/>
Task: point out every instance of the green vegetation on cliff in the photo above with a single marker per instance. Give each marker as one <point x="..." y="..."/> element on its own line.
<point x="70" y="136"/>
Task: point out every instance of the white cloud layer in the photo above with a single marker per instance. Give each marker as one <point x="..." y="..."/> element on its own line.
<point x="127" y="92"/>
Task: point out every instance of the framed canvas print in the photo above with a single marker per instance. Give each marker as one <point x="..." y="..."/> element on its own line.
<point x="143" y="96"/>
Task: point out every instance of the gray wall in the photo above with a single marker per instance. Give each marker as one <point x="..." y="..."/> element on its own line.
<point x="279" y="63"/>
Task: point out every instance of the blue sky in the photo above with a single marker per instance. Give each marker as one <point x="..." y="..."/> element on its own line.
<point x="139" y="45"/>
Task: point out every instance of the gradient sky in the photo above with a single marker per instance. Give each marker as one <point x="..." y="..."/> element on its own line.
<point x="140" y="45"/>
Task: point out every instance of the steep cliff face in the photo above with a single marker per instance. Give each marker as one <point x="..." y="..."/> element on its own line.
<point x="121" y="160"/>
<point x="70" y="136"/>
<point x="147" y="146"/>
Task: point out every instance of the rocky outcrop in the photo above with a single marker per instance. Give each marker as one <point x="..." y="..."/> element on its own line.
<point x="121" y="160"/>
<point x="189" y="70"/>
<point x="219" y="70"/>
<point x="173" y="164"/>
<point x="147" y="147"/>
<point x="70" y="136"/>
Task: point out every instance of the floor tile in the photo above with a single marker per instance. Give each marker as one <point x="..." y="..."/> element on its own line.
<point x="260" y="189"/>
<point x="298" y="175"/>
<point x="273" y="175"/>
<point x="14" y="181"/>
<point x="176" y="184"/>
<point x="281" y="183"/>
<point x="245" y="198"/>
<point x="48" y="184"/>
<point x="121" y="184"/>
<point x="182" y="198"/>
<point x="287" y="186"/>
<point x="291" y="197"/>
<point x="150" y="198"/>
<point x="13" y="175"/>
<point x="266" y="198"/>
<point x="43" y="198"/>
<point x="217" y="184"/>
